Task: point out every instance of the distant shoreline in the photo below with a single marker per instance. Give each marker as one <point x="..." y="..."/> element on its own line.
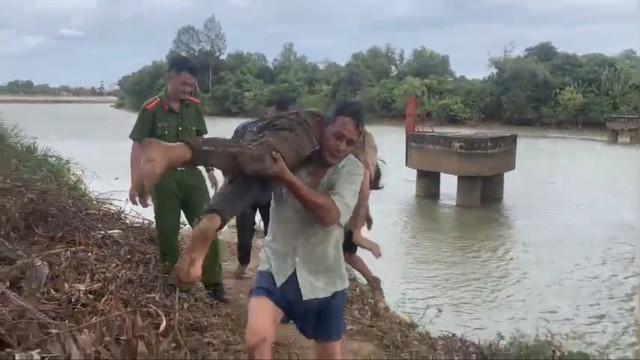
<point x="40" y="99"/>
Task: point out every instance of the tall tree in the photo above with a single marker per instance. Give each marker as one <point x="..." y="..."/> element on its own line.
<point x="214" y="43"/>
<point x="188" y="41"/>
<point x="541" y="85"/>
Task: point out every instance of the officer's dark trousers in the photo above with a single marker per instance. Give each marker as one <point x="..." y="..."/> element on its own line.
<point x="182" y="191"/>
<point x="245" y="225"/>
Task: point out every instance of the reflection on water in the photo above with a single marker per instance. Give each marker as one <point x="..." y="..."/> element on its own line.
<point x="558" y="253"/>
<point x="469" y="254"/>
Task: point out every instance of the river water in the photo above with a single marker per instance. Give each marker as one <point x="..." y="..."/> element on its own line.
<point x="559" y="253"/>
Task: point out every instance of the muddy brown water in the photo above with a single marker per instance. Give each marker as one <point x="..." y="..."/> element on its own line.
<point x="559" y="254"/>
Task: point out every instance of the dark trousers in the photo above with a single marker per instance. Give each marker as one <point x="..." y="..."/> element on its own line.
<point x="245" y="225"/>
<point x="183" y="190"/>
<point x="320" y="319"/>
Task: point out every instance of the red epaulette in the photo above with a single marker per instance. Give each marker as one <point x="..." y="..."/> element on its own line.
<point x="192" y="99"/>
<point x="152" y="104"/>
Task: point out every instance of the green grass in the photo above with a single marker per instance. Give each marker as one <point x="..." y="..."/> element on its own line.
<point x="23" y="161"/>
<point x="521" y="346"/>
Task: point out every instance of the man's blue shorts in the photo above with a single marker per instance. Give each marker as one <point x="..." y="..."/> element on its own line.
<point x="321" y="319"/>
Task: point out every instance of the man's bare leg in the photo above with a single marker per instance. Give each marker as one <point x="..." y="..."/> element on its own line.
<point x="188" y="270"/>
<point x="329" y="350"/>
<point x="373" y="281"/>
<point x="158" y="157"/>
<point x="262" y="320"/>
<point x="221" y="153"/>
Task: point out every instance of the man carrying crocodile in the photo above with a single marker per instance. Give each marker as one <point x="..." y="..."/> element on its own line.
<point x="293" y="135"/>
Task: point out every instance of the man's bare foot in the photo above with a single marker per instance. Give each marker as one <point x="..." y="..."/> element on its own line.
<point x="377" y="286"/>
<point x="158" y="157"/>
<point x="188" y="271"/>
<point x="378" y="294"/>
<point x="152" y="167"/>
<point x="240" y="271"/>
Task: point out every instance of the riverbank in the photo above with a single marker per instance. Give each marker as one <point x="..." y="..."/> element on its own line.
<point x="38" y="99"/>
<point x="79" y="277"/>
<point x="593" y="133"/>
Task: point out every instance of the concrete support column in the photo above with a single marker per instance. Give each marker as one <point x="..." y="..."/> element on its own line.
<point x="612" y="136"/>
<point x="469" y="191"/>
<point x="428" y="184"/>
<point x="493" y="187"/>
<point x="634" y="136"/>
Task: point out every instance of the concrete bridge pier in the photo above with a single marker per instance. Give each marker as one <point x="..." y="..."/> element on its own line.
<point x="629" y="124"/>
<point x="479" y="160"/>
<point x="469" y="191"/>
<point x="428" y="184"/>
<point x="613" y="136"/>
<point x="493" y="187"/>
<point x="477" y="190"/>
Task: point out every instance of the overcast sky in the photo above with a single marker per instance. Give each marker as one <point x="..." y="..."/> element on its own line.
<point x="69" y="41"/>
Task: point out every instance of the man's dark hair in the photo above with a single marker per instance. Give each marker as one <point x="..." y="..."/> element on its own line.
<point x="350" y="109"/>
<point x="182" y="63"/>
<point x="281" y="104"/>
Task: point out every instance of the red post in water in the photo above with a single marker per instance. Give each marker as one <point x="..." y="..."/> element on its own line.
<point x="410" y="115"/>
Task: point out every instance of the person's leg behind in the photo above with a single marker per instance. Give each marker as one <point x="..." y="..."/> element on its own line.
<point x="195" y="196"/>
<point x="356" y="262"/>
<point x="321" y="320"/>
<point x="264" y="315"/>
<point x="166" y="209"/>
<point x="245" y="226"/>
<point x="329" y="333"/>
<point x="350" y="249"/>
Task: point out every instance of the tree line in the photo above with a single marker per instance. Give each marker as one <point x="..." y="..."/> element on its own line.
<point x="540" y="86"/>
<point x="28" y="87"/>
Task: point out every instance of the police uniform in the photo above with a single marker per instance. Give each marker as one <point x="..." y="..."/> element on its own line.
<point x="183" y="189"/>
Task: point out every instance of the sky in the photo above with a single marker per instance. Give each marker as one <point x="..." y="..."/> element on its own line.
<point x="83" y="42"/>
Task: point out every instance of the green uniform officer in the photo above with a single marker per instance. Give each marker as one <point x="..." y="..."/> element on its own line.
<point x="174" y="116"/>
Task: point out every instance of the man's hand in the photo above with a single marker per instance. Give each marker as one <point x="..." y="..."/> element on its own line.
<point x="279" y="171"/>
<point x="367" y="244"/>
<point x="133" y="195"/>
<point x="375" y="250"/>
